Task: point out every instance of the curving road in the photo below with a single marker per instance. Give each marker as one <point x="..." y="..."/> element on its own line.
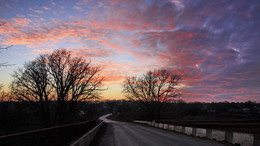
<point x="128" y="134"/>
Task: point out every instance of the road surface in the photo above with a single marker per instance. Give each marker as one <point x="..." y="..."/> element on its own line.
<point x="128" y="134"/>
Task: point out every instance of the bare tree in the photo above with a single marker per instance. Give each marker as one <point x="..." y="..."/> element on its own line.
<point x="152" y="90"/>
<point x="73" y="80"/>
<point x="56" y="78"/>
<point x="32" y="85"/>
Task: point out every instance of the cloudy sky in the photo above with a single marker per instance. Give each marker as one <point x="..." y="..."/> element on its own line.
<point x="213" y="44"/>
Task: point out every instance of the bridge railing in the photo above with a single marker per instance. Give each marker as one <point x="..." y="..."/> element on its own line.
<point x="86" y="139"/>
<point x="237" y="138"/>
<point x="54" y="136"/>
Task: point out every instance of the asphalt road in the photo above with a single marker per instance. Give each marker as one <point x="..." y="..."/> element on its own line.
<point x="128" y="134"/>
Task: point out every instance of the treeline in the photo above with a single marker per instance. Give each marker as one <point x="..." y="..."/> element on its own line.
<point x="18" y="116"/>
<point x="130" y="110"/>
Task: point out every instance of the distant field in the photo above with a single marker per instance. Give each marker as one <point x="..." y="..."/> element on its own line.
<point x="239" y="126"/>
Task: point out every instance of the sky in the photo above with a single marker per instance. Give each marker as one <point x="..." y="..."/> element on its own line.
<point x="213" y="44"/>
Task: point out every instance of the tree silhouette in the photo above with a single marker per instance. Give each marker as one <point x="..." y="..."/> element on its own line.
<point x="152" y="90"/>
<point x="57" y="77"/>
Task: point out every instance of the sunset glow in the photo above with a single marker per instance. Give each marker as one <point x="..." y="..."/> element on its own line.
<point x="213" y="45"/>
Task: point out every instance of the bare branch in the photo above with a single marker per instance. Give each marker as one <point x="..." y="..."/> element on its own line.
<point x="5" y="48"/>
<point x="5" y="64"/>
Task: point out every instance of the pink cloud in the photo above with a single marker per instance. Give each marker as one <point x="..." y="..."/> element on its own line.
<point x="77" y="8"/>
<point x="92" y="52"/>
<point x="36" y="11"/>
<point x="41" y="51"/>
<point x="46" y="8"/>
<point x="17" y="33"/>
<point x="114" y="1"/>
<point x="21" y="21"/>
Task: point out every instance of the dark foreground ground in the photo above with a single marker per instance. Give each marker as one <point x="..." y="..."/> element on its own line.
<point x="128" y="134"/>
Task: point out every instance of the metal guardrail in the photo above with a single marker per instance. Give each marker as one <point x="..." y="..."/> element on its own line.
<point x="54" y="136"/>
<point x="86" y="139"/>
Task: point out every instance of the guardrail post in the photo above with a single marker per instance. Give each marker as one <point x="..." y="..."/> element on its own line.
<point x="244" y="139"/>
<point x="171" y="127"/>
<point x="165" y="126"/>
<point x="160" y="125"/>
<point x="188" y="130"/>
<point x="178" y="128"/>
